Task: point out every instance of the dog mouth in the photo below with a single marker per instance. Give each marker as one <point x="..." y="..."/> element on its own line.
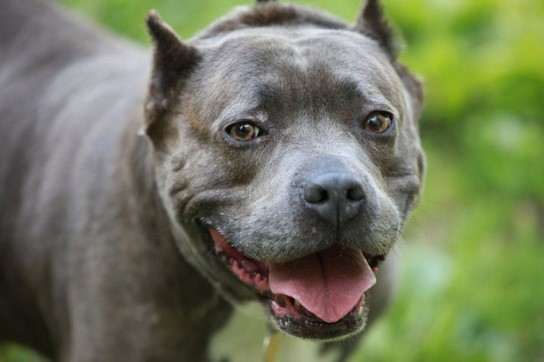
<point x="318" y="296"/>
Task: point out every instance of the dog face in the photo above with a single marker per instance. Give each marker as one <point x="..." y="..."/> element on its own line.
<point x="287" y="157"/>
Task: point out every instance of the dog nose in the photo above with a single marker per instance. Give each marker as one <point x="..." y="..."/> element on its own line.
<point x="334" y="197"/>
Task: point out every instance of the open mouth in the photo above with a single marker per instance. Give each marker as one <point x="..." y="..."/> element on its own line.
<point x="319" y="296"/>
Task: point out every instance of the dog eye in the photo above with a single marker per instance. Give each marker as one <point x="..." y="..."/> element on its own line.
<point x="243" y="131"/>
<point x="378" y="122"/>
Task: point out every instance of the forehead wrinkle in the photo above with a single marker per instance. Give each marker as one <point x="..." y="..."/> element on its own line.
<point x="315" y="89"/>
<point x="377" y="78"/>
<point x="259" y="70"/>
<point x="370" y="78"/>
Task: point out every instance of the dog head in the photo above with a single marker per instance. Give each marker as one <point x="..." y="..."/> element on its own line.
<point x="287" y="157"/>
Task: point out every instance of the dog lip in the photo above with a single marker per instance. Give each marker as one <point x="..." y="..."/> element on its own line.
<point x="287" y="312"/>
<point x="284" y="306"/>
<point x="302" y="325"/>
<point x="251" y="272"/>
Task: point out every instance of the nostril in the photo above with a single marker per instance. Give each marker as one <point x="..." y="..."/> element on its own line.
<point x="315" y="194"/>
<point x="355" y="193"/>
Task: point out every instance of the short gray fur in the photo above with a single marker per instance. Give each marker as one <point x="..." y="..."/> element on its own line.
<point x="108" y="158"/>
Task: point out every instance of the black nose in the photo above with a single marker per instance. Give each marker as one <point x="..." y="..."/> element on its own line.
<point x="335" y="197"/>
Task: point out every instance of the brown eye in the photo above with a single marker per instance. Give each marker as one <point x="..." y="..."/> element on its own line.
<point x="377" y="122"/>
<point x="243" y="131"/>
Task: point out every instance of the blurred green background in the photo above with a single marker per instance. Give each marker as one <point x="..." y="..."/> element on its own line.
<point x="472" y="286"/>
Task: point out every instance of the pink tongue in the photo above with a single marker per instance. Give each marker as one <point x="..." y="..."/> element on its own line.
<point x="329" y="284"/>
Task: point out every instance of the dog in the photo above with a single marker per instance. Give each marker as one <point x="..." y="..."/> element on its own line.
<point x="274" y="157"/>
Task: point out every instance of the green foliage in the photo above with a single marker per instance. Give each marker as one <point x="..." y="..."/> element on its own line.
<point x="14" y="353"/>
<point x="480" y="226"/>
<point x="471" y="281"/>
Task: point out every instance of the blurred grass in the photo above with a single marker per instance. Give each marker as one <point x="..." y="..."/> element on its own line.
<point x="473" y="253"/>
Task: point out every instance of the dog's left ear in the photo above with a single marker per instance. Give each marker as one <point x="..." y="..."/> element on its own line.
<point x="372" y="23"/>
<point x="173" y="61"/>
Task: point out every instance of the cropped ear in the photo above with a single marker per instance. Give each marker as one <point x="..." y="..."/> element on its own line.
<point x="266" y="1"/>
<point x="173" y="61"/>
<point x="372" y="23"/>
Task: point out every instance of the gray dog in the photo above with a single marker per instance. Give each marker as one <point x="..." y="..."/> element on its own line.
<point x="275" y="158"/>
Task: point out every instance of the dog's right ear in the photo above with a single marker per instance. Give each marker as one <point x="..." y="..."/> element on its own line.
<point x="266" y="1"/>
<point x="372" y="22"/>
<point x="173" y="60"/>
